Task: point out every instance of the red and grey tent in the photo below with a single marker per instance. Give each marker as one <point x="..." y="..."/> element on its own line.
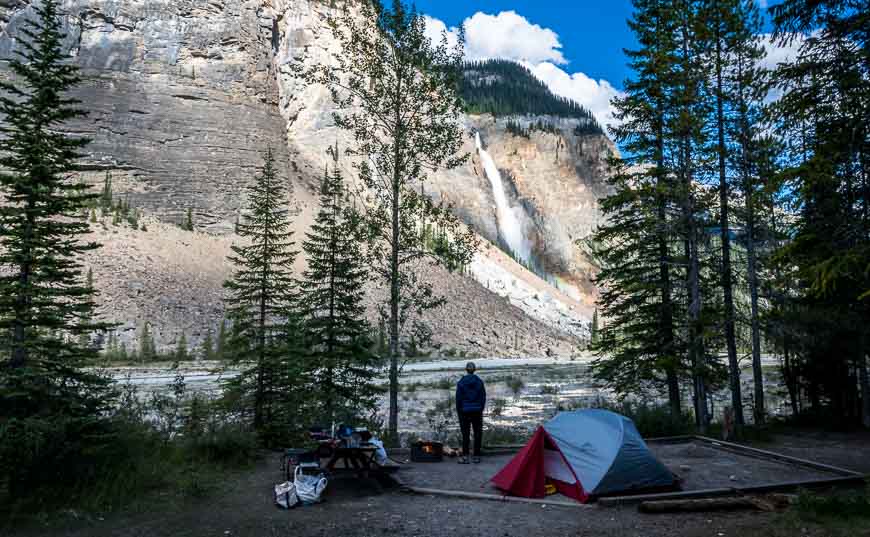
<point x="584" y="454"/>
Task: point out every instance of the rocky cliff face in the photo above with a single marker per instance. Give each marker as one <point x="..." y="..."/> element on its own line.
<point x="184" y="94"/>
<point x="182" y="97"/>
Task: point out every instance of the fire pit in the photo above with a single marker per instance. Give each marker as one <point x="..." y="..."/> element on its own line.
<point x="427" y="452"/>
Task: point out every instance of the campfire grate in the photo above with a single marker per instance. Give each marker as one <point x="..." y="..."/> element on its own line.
<point x="427" y="452"/>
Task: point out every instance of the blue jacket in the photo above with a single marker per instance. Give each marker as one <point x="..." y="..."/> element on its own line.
<point x="470" y="394"/>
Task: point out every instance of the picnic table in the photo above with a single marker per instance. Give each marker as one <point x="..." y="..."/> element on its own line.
<point x="359" y="459"/>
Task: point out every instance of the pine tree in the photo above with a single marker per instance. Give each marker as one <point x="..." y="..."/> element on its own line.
<point x="181" y="350"/>
<point x="207" y="350"/>
<point x="332" y="311"/>
<point x="824" y="117"/>
<point x="640" y="347"/>
<point x="188" y="221"/>
<point x="398" y="95"/>
<point x="147" y="350"/>
<point x="686" y="129"/>
<point x="221" y="349"/>
<point x="260" y="305"/>
<point x="106" y="197"/>
<point x="593" y="328"/>
<point x="51" y="408"/>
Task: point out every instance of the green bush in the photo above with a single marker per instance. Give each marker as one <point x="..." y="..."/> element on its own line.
<point x="445" y="383"/>
<point x="549" y="389"/>
<point x="515" y="385"/>
<point x="504" y="436"/>
<point x="177" y="444"/>
<point x="841" y="506"/>
<point x="497" y="407"/>
<point x="652" y="420"/>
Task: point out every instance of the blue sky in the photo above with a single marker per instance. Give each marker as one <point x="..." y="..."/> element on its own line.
<point x="573" y="46"/>
<point x="592" y="33"/>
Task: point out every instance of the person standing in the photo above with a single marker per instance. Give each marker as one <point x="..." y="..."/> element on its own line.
<point x="470" y="402"/>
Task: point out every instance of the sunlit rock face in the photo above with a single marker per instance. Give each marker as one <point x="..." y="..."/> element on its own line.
<point x="182" y="96"/>
<point x="556" y="179"/>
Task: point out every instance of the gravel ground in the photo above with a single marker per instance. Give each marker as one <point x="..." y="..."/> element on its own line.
<point x="353" y="509"/>
<point x="699" y="466"/>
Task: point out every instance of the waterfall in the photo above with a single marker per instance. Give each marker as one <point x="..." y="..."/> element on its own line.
<point x="510" y="226"/>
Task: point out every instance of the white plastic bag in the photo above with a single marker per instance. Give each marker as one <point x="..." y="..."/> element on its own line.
<point x="285" y="495"/>
<point x="380" y="452"/>
<point x="309" y="488"/>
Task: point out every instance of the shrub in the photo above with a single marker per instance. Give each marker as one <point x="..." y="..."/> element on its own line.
<point x="505" y="436"/>
<point x="515" y="385"/>
<point x="497" y="407"/>
<point x="840" y="506"/>
<point x="445" y="383"/>
<point x="652" y="420"/>
<point x="549" y="389"/>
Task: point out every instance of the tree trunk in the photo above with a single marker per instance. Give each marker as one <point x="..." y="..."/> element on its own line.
<point x="393" y="426"/>
<point x="24" y="298"/>
<point x="696" y="345"/>
<point x="865" y="382"/>
<point x="755" y="324"/>
<point x="727" y="286"/>
<point x="667" y="319"/>
<point x="666" y="327"/>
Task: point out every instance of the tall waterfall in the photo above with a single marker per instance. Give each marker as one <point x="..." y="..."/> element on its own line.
<point x="510" y="226"/>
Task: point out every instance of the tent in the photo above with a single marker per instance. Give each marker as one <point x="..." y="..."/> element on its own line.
<point x="584" y="454"/>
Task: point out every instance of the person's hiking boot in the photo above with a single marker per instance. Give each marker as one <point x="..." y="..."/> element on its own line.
<point x="463" y="460"/>
<point x="476" y="460"/>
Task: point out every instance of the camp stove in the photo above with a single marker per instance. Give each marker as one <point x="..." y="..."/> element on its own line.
<point x="427" y="451"/>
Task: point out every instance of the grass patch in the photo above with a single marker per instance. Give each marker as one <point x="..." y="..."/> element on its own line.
<point x="841" y="506"/>
<point x="157" y="453"/>
<point x="842" y="514"/>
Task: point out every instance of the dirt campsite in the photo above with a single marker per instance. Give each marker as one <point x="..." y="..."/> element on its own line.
<point x="242" y="504"/>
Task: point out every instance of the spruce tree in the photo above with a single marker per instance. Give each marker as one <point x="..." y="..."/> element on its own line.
<point x="824" y="120"/>
<point x="397" y="94"/>
<point x="188" y="221"/>
<point x="331" y="294"/>
<point x="181" y="351"/>
<point x="207" y="350"/>
<point x="51" y="408"/>
<point x="106" y="197"/>
<point x="147" y="348"/>
<point x="686" y="129"/>
<point x="640" y="349"/>
<point x="222" y="341"/>
<point x="260" y="306"/>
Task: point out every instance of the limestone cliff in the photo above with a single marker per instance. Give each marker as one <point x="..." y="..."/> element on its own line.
<point x="181" y="94"/>
<point x="184" y="94"/>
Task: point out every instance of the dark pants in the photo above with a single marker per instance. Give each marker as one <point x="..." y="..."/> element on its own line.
<point x="467" y="420"/>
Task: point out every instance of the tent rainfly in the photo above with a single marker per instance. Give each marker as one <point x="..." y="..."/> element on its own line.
<point x="584" y="454"/>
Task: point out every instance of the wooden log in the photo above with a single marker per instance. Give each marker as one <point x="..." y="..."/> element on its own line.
<point x="495" y="497"/>
<point x="741" y="449"/>
<point x="849" y="481"/>
<point x="707" y="504"/>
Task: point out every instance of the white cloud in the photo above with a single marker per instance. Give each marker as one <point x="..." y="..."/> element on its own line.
<point x="777" y="53"/>
<point x="594" y="95"/>
<point x="511" y="36"/>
